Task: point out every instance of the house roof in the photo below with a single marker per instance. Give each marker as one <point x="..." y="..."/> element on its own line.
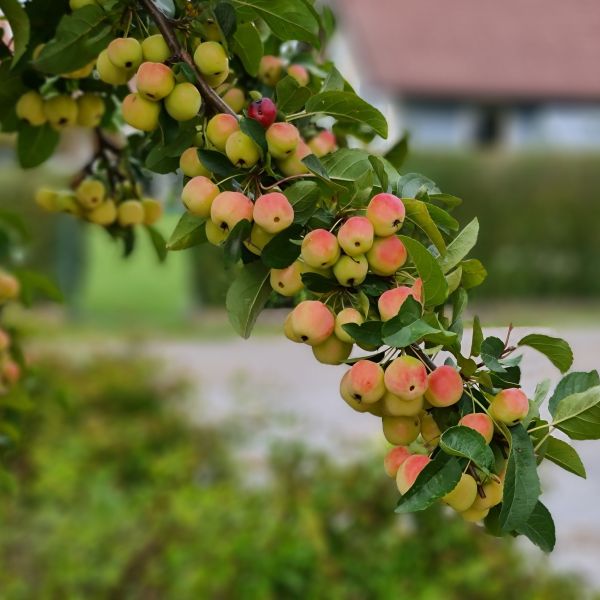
<point x="509" y="49"/>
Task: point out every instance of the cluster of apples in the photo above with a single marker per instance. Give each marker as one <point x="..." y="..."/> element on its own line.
<point x="273" y="68"/>
<point x="90" y="201"/>
<point x="10" y="371"/>
<point x="61" y="110"/>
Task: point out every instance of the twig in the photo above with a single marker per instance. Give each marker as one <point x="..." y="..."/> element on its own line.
<point x="285" y="180"/>
<point x="164" y="26"/>
<point x="418" y="353"/>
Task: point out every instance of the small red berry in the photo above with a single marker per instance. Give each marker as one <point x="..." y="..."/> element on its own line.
<point x="264" y="111"/>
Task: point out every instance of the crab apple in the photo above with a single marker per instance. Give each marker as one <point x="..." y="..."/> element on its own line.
<point x="332" y="351"/>
<point x="211" y="60"/>
<point x="474" y="515"/>
<point x="365" y="381"/>
<point x="259" y="238"/>
<point x="273" y="212"/>
<point x="299" y="73"/>
<point x="219" y="128"/>
<point x="153" y="210"/>
<point x="110" y="74"/>
<point x="430" y="430"/>
<point x="493" y="492"/>
<point x="75" y="4"/>
<point x="10" y="288"/>
<point x="509" y="406"/>
<point x="190" y="164"/>
<point x="323" y="143"/>
<point x="140" y="113"/>
<point x="395" y="406"/>
<point x="242" y="150"/>
<point x="234" y="98"/>
<point x="481" y="423"/>
<point x="61" y="111"/>
<point x="184" y="102"/>
<point x="47" y="199"/>
<point x="81" y="73"/>
<point x="394" y="458"/>
<point x="4" y="341"/>
<point x="90" y="193"/>
<point x="293" y="165"/>
<point x="282" y="140"/>
<point x="347" y="394"/>
<point x="312" y="321"/>
<point x="355" y="236"/>
<point x="105" y="214"/>
<point x="401" y="431"/>
<point x="211" y="30"/>
<point x="320" y="249"/>
<point x="270" y="69"/>
<point x="386" y="255"/>
<point x="264" y="111"/>
<point x="155" y="49"/>
<point x="406" y="377"/>
<point x="214" y="234"/>
<point x="125" y="53"/>
<point x="11" y="372"/>
<point x="351" y="271"/>
<point x="444" y="386"/>
<point x="345" y="317"/>
<point x="130" y="212"/>
<point x="229" y="208"/>
<point x="288" y="281"/>
<point x="154" y="81"/>
<point x="409" y="471"/>
<point x="461" y="498"/>
<point x="30" y="108"/>
<point x="288" y="330"/>
<point x="198" y="195"/>
<point x="90" y="110"/>
<point x="387" y="213"/>
<point x="391" y="301"/>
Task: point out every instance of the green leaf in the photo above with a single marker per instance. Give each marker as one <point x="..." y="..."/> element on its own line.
<point x="304" y="197"/>
<point x="578" y="415"/>
<point x="226" y="18"/>
<point x="287" y="19"/>
<point x="435" y="288"/>
<point x="12" y="87"/>
<point x="217" y="163"/>
<point x="188" y="232"/>
<point x="379" y="168"/>
<point x="281" y="252"/>
<point x="556" y="349"/>
<point x="256" y="131"/>
<point x="352" y="164"/>
<point x="232" y="248"/>
<point x="79" y="38"/>
<point x="417" y="211"/>
<point x="335" y="81"/>
<point x="316" y="167"/>
<point x="438" y="478"/>
<point x="491" y="350"/>
<point x="572" y="383"/>
<point x="19" y="24"/>
<point x="453" y="280"/>
<point x="410" y="334"/>
<point x="477" y="339"/>
<point x="369" y="333"/>
<point x="413" y="185"/>
<point x="565" y="456"/>
<point x="541" y="391"/>
<point x="521" y="484"/>
<point x="248" y="45"/>
<point x="34" y="285"/>
<point x="35" y="145"/>
<point x="398" y="152"/>
<point x="247" y="296"/>
<point x="465" y="442"/>
<point x="158" y="242"/>
<point x="318" y="283"/>
<point x="473" y="273"/>
<point x="539" y="528"/>
<point x="347" y="106"/>
<point x="460" y="246"/>
<point x="167" y="7"/>
<point x="410" y="311"/>
<point x="291" y="96"/>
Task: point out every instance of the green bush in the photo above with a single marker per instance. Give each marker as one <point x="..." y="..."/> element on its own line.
<point x="117" y="495"/>
<point x="538" y="213"/>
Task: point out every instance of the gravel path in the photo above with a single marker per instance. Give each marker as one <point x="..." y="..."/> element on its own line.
<point x="262" y="377"/>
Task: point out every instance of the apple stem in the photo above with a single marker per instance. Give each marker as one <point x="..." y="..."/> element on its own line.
<point x="164" y="26"/>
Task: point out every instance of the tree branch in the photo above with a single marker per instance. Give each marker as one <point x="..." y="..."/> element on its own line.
<point x="418" y="353"/>
<point x="164" y="26"/>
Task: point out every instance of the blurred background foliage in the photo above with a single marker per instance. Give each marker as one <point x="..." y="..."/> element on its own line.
<point x="116" y="494"/>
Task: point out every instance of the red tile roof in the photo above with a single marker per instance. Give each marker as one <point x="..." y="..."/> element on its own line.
<point x="507" y="49"/>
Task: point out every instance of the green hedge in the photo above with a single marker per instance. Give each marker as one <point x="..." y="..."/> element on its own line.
<point x="539" y="215"/>
<point x="117" y="495"/>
